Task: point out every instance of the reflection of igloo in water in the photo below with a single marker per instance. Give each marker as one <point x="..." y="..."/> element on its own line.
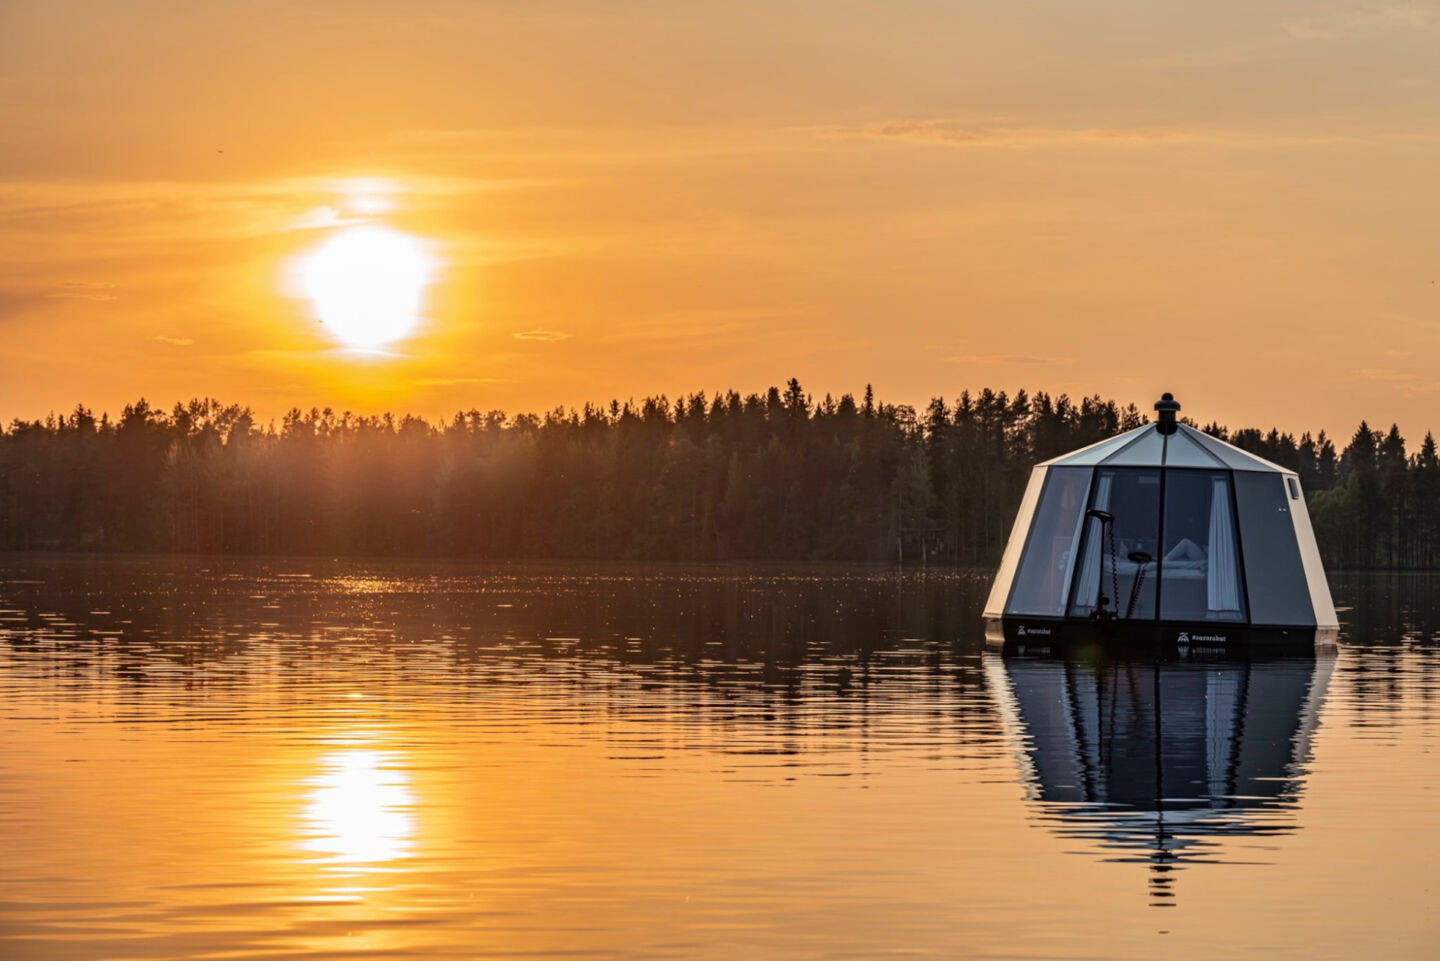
<point x="1163" y="526"/>
<point x="1157" y="762"/>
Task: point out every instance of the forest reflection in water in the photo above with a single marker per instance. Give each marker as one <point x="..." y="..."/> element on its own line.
<point x="276" y="757"/>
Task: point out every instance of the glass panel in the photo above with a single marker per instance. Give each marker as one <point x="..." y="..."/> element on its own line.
<point x="1274" y="573"/>
<point x="1015" y="545"/>
<point x="1043" y="579"/>
<point x="1200" y="569"/>
<point x="1113" y="566"/>
<point x="1184" y="451"/>
<point x="1147" y="451"/>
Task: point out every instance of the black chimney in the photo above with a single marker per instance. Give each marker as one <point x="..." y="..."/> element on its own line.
<point x="1167" y="405"/>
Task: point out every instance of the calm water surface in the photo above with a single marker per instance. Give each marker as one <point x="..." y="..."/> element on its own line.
<point x="221" y="759"/>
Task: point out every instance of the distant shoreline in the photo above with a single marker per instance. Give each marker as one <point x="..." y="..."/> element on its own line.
<point x="765" y="565"/>
<point x="723" y="477"/>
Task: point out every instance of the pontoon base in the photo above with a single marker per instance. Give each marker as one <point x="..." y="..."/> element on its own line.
<point x="1037" y="635"/>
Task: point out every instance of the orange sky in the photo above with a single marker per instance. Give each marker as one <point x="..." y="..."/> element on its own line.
<point x="1237" y="202"/>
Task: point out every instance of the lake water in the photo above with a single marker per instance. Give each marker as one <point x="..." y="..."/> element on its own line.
<point x="207" y="758"/>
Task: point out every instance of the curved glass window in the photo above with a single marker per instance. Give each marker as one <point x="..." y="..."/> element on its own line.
<point x="1200" y="566"/>
<point x="1117" y="558"/>
<point x="1275" y="581"/>
<point x="1042" y="581"/>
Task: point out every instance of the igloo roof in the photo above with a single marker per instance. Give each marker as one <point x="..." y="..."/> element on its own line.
<point x="1147" y="447"/>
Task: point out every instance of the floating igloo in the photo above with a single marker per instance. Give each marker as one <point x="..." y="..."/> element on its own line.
<point x="1162" y="532"/>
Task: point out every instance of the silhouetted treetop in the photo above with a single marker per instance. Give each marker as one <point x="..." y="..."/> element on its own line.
<point x="775" y="474"/>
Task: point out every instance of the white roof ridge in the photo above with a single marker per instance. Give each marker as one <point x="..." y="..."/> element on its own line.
<point x="1205" y="440"/>
<point x="1224" y="455"/>
<point x="1059" y="459"/>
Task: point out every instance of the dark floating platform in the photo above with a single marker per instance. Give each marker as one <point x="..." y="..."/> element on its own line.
<point x="1040" y="636"/>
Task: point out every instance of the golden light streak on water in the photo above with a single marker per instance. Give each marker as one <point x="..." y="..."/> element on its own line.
<point x="358" y="810"/>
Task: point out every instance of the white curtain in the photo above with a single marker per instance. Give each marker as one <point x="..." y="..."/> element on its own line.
<point x="1224" y="569"/>
<point x="1089" y="587"/>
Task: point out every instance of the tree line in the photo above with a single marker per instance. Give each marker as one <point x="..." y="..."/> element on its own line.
<point x="777" y="475"/>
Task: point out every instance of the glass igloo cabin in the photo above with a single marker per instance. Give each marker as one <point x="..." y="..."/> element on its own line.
<point x="1165" y="533"/>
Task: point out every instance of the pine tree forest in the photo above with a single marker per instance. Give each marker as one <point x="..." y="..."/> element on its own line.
<point x="772" y="476"/>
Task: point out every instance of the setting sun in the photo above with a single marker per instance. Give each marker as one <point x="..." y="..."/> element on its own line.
<point x="367" y="285"/>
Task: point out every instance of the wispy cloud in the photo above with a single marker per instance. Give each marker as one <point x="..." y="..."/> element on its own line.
<point x="175" y="341"/>
<point x="701" y="327"/>
<point x="1010" y="359"/>
<point x="319" y="218"/>
<point x="1411" y="383"/>
<point x="81" y="290"/>
<point x="1360" y="20"/>
<point x="546" y="336"/>
<point x="1002" y="134"/>
<point x="458" y="381"/>
<point x="1246" y="51"/>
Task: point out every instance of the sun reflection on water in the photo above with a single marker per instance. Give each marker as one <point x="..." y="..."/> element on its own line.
<point x="359" y="809"/>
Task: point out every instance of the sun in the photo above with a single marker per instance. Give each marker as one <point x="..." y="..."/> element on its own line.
<point x="367" y="285"/>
